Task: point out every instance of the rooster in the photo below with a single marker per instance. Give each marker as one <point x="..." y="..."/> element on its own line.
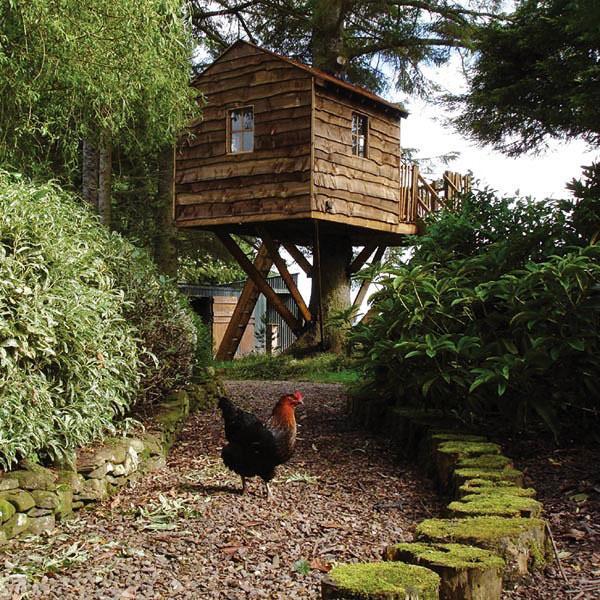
<point x="256" y="448"/>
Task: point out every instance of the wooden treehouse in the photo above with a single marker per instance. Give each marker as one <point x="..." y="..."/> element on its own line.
<point x="294" y="156"/>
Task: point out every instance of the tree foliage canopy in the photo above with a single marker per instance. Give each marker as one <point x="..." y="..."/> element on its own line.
<point x="354" y="38"/>
<point x="536" y="76"/>
<point x="72" y="70"/>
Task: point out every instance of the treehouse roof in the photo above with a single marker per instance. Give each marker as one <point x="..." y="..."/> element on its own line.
<point x="321" y="77"/>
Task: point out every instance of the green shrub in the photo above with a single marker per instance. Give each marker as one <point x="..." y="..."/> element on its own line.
<point x="506" y="327"/>
<point x="164" y="323"/>
<point x="68" y="357"/>
<point x="86" y="326"/>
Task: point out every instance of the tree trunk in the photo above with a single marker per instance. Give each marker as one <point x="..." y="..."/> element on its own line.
<point x="336" y="256"/>
<point x="335" y="253"/>
<point x="165" y="250"/>
<point x="89" y="174"/>
<point x="105" y="181"/>
<point x="327" y="46"/>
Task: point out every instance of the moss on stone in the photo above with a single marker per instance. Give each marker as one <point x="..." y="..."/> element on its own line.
<point x="455" y="436"/>
<point x="475" y="529"/>
<point x="467" y="448"/>
<point x="16" y="525"/>
<point x="484" y="461"/>
<point x="7" y="510"/>
<point x="20" y="499"/>
<point x="412" y="581"/>
<point x="40" y="479"/>
<point x="486" y="486"/>
<point x="506" y="474"/>
<point x="503" y="505"/>
<point x="455" y="556"/>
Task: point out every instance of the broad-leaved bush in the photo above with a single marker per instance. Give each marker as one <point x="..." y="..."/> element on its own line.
<point x="497" y="312"/>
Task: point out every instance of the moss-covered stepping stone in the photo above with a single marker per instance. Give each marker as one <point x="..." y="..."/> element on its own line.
<point x="380" y="581"/>
<point x="466" y="572"/>
<point x="447" y="454"/>
<point x="436" y="437"/>
<point x="506" y="474"/>
<point x="486" y="486"/>
<point x="484" y="461"/>
<point x="520" y="542"/>
<point x="502" y="505"/>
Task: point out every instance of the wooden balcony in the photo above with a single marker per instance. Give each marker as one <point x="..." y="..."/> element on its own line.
<point x="419" y="197"/>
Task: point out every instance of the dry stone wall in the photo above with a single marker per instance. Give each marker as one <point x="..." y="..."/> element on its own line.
<point x="33" y="497"/>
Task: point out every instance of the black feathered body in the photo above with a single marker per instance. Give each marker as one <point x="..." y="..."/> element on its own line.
<point x="255" y="448"/>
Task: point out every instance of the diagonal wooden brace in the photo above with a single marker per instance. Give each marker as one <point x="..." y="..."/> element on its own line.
<point x="364" y="286"/>
<point x="260" y="281"/>
<point x="300" y="259"/>
<point x="285" y="274"/>
<point x="243" y="309"/>
<point x="362" y="257"/>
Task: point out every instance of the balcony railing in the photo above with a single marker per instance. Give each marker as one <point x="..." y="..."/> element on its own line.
<point x="419" y="197"/>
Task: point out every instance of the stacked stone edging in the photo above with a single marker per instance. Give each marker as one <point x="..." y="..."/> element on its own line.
<point x="33" y="497"/>
<point x="493" y="535"/>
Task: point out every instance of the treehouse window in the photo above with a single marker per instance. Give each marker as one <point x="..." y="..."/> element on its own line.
<point x="241" y="130"/>
<point x="360" y="128"/>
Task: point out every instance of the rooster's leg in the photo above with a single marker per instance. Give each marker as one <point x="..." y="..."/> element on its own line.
<point x="269" y="492"/>
<point x="243" y="485"/>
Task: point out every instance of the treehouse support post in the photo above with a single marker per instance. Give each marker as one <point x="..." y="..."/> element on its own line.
<point x="243" y="309"/>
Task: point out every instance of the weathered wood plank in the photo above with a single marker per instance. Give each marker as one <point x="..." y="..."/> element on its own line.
<point x="193" y="158"/>
<point x="248" y="167"/>
<point x="364" y="286"/>
<point x="346" y="182"/>
<point x="349" y="206"/>
<point x="260" y="282"/>
<point x="243" y="309"/>
<point x="233" y="196"/>
<point x="285" y="274"/>
<point x="275" y="208"/>
<point x="300" y="259"/>
<point x="362" y="257"/>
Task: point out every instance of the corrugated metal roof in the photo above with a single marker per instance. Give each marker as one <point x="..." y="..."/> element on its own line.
<point x="317" y="73"/>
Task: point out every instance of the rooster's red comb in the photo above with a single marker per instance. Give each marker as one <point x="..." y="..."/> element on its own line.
<point x="298" y="395"/>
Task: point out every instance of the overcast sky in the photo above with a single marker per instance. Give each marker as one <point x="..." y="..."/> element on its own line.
<point x="541" y="176"/>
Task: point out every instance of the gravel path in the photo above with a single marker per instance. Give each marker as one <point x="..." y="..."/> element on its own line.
<point x="342" y="497"/>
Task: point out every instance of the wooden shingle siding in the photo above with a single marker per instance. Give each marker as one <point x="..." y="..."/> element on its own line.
<point x="274" y="178"/>
<point x="349" y="185"/>
<point x="302" y="166"/>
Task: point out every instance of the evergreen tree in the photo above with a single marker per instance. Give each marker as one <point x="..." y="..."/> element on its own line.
<point x="536" y="77"/>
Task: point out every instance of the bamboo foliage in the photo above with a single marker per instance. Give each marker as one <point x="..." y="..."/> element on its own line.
<point x="86" y="325"/>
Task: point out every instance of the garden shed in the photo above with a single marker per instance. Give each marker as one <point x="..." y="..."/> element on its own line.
<point x="266" y="330"/>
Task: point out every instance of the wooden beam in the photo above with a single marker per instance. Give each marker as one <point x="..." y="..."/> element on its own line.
<point x="243" y="309"/>
<point x="260" y="281"/>
<point x="362" y="257"/>
<point x="364" y="286"/>
<point x="432" y="192"/>
<point x="300" y="259"/>
<point x="285" y="274"/>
